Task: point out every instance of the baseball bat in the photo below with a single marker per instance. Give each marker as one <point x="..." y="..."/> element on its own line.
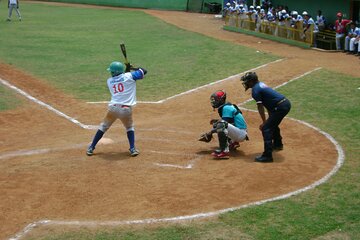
<point x="123" y="50"/>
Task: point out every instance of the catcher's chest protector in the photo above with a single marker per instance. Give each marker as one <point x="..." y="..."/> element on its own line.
<point x="227" y="104"/>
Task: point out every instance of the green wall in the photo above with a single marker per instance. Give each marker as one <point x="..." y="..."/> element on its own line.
<point x="179" y="5"/>
<point x="153" y="4"/>
<point x="329" y="8"/>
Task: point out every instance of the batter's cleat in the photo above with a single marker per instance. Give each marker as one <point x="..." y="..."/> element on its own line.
<point x="264" y="159"/>
<point x="134" y="152"/>
<point x="234" y="145"/>
<point x="90" y="151"/>
<point x="221" y="155"/>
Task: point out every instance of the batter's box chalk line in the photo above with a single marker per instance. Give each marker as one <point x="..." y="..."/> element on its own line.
<point x="31" y="226"/>
<point x="190" y="164"/>
<point x="107" y="141"/>
<point x="339" y="163"/>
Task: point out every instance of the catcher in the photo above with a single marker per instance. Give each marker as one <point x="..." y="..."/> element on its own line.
<point x="231" y="128"/>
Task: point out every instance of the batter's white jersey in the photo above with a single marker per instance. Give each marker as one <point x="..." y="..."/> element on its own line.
<point x="123" y="88"/>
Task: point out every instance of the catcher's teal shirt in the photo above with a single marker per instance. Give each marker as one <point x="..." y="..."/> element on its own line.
<point x="230" y="112"/>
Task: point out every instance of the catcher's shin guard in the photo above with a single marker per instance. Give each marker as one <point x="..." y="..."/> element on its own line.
<point x="223" y="140"/>
<point x="222" y="132"/>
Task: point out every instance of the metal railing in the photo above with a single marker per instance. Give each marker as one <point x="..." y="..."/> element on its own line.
<point x="275" y="28"/>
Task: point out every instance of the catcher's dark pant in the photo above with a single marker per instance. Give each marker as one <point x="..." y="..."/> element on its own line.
<point x="271" y="130"/>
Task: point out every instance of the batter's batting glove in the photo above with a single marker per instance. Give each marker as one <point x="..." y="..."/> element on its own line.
<point x="128" y="67"/>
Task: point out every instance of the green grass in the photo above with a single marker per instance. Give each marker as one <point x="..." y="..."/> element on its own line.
<point x="72" y="47"/>
<point x="327" y="100"/>
<point x="8" y="100"/>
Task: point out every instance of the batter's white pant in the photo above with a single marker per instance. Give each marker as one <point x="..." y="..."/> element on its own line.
<point x="11" y="7"/>
<point x="118" y="111"/>
<point x="236" y="134"/>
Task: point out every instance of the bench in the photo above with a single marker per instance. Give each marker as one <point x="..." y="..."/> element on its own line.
<point x="326" y="39"/>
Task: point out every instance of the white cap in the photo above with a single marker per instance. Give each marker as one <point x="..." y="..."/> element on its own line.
<point x="262" y="11"/>
<point x="251" y="6"/>
<point x="228" y="4"/>
<point x="294" y="13"/>
<point x="258" y="7"/>
<point x="283" y="11"/>
<point x="304" y="13"/>
<point x="241" y="5"/>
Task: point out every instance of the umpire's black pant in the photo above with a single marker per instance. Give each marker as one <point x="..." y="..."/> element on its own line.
<point x="271" y="131"/>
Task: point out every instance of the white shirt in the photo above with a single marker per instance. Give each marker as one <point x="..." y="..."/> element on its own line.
<point x="122" y="89"/>
<point x="13" y="1"/>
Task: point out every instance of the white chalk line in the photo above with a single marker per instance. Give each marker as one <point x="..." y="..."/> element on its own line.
<point x="30" y="152"/>
<point x="339" y="163"/>
<point x="41" y="103"/>
<point x="189" y="165"/>
<point x="340" y="160"/>
<point x="93" y="127"/>
<point x="201" y="87"/>
<point x="85" y="126"/>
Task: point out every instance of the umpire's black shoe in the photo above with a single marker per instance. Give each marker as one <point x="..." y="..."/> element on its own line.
<point x="278" y="147"/>
<point x="263" y="159"/>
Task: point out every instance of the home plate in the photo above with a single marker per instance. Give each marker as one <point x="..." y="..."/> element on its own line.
<point x="105" y="141"/>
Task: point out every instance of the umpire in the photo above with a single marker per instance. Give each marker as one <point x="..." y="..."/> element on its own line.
<point x="277" y="106"/>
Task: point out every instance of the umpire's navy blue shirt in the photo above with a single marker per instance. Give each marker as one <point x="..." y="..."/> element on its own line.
<point x="266" y="95"/>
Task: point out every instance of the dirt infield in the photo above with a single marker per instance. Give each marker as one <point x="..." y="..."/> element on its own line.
<point x="45" y="174"/>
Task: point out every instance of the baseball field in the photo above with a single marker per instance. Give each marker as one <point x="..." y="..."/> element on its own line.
<point x="53" y="96"/>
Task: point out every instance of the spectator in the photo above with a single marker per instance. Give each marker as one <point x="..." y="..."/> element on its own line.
<point x="295" y="18"/>
<point x="251" y="18"/>
<point x="350" y="34"/>
<point x="340" y="28"/>
<point x="309" y="23"/>
<point x="13" y="4"/>
<point x="226" y="9"/>
<point x="283" y="23"/>
<point x="263" y="21"/>
<point x="258" y="19"/>
<point x="272" y="18"/>
<point x="320" y="21"/>
<point x="353" y="36"/>
<point x="242" y="16"/>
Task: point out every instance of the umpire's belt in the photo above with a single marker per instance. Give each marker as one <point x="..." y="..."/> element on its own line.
<point x="280" y="102"/>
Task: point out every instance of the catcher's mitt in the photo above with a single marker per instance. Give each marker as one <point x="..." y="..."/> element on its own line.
<point x="213" y="121"/>
<point x="205" y="137"/>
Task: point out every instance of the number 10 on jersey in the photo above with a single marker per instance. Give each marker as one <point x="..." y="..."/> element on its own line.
<point x="118" y="88"/>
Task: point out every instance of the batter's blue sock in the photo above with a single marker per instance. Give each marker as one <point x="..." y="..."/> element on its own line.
<point x="99" y="134"/>
<point x="131" y="138"/>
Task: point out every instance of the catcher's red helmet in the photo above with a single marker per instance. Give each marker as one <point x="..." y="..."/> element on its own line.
<point x="218" y="98"/>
